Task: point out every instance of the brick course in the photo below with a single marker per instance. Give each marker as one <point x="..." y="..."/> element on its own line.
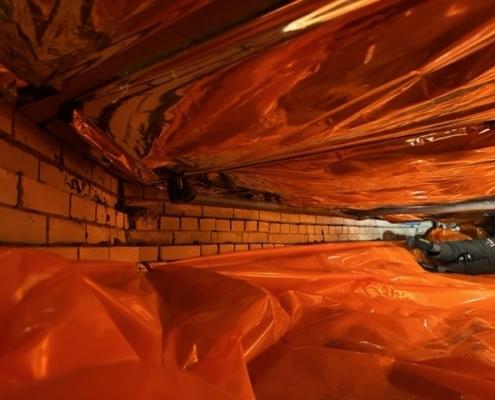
<point x="55" y="198"/>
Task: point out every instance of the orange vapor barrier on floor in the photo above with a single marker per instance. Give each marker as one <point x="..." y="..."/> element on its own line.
<point x="334" y="321"/>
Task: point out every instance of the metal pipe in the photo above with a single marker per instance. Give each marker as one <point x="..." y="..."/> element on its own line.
<point x="437" y="209"/>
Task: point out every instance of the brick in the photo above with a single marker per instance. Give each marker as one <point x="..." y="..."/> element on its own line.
<point x="69" y="253"/>
<point x="132" y="189"/>
<point x="207" y="224"/>
<point x="229" y="237"/>
<point x="117" y="236"/>
<point x="53" y="176"/>
<point x="100" y="176"/>
<point x="105" y="215"/>
<point x="222" y="225"/>
<point x="119" y="219"/>
<point x="151" y="192"/>
<point x="307" y="219"/>
<point x="263" y="226"/>
<point x="101" y="196"/>
<point x="58" y="178"/>
<point x="189" y="224"/>
<point x="241" y="247"/>
<point x="256" y="246"/>
<point x="66" y="231"/>
<point x="274" y="228"/>
<point x="148" y="253"/>
<point x="97" y="234"/>
<point x="41" y="197"/>
<point x="303" y="229"/>
<point x="226" y="248"/>
<point x="35" y="138"/>
<point x="6" y="118"/>
<point x="169" y="223"/>
<point x="310" y="229"/>
<point x="329" y="220"/>
<point x="297" y="238"/>
<point x="293" y="228"/>
<point x="331" y="237"/>
<point x="82" y="209"/>
<point x="316" y="238"/>
<point x="246" y="214"/>
<point x="94" y="253"/>
<point x="77" y="163"/>
<point x="101" y="214"/>
<point x="278" y="238"/>
<point x="323" y="219"/>
<point x="114" y="184"/>
<point x="146" y="221"/>
<point x="179" y="252"/>
<point x="192" y="237"/>
<point x="284" y="228"/>
<point x="271" y="216"/>
<point x="128" y="254"/>
<point x="237" y="226"/>
<point x="209" y="250"/>
<point x="268" y="246"/>
<point x="8" y="187"/>
<point x="218" y="212"/>
<point x="149" y="237"/>
<point x="251" y="226"/>
<point x="292" y="218"/>
<point x="21" y="227"/>
<point x="254" y="237"/>
<point x="183" y="210"/>
<point x="16" y="160"/>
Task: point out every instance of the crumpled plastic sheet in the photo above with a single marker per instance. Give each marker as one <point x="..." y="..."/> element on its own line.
<point x="333" y="321"/>
<point x="354" y="111"/>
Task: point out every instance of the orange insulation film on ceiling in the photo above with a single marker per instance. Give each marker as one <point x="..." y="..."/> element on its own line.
<point x="333" y="321"/>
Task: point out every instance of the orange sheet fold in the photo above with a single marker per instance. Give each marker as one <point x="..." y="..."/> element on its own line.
<point x="332" y="321"/>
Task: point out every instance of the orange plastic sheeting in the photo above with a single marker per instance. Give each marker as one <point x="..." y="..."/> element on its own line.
<point x="334" y="321"/>
<point x="354" y="105"/>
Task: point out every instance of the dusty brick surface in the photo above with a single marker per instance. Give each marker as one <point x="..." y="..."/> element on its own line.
<point x="8" y="187"/>
<point x="183" y="210"/>
<point x="207" y="224"/>
<point x="191" y="237"/>
<point x="189" y="224"/>
<point x="209" y="249"/>
<point x="271" y="216"/>
<point x="21" y="227"/>
<point x="226" y="248"/>
<point x="44" y="198"/>
<point x="246" y="214"/>
<point x="96" y="234"/>
<point x="147" y="237"/>
<point x="148" y="253"/>
<point x="82" y="209"/>
<point x="222" y="225"/>
<point x="179" y="252"/>
<point x="94" y="253"/>
<point x="66" y="231"/>
<point x="15" y="160"/>
<point x="237" y="226"/>
<point x="218" y="212"/>
<point x="128" y="254"/>
<point x="169" y="223"/>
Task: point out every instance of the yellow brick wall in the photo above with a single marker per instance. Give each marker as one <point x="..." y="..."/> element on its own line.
<point x="54" y="198"/>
